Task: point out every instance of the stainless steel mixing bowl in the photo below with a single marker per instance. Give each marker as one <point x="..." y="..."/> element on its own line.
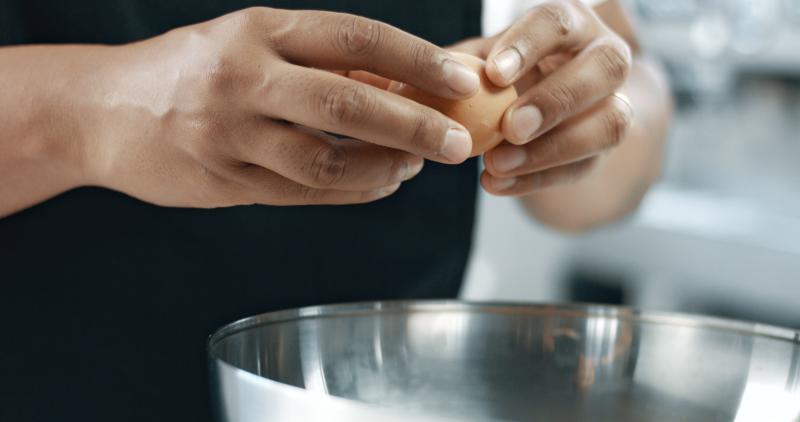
<point x="452" y="361"/>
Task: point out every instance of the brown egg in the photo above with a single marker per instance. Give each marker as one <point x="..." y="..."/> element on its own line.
<point x="481" y="114"/>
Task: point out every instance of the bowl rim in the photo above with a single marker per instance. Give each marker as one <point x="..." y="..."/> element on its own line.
<point x="740" y="327"/>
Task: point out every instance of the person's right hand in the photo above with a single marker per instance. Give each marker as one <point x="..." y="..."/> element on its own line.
<point x="231" y="112"/>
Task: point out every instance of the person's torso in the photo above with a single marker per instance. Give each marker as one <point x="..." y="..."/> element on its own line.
<point x="107" y="301"/>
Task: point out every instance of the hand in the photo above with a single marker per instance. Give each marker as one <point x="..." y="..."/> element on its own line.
<point x="567" y="65"/>
<point x="231" y="112"/>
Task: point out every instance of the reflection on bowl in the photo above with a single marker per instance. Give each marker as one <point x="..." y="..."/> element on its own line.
<point x="457" y="361"/>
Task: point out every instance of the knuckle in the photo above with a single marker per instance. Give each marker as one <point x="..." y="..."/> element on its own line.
<point x="257" y="22"/>
<point x="616" y="122"/>
<point x="526" y="42"/>
<point x="347" y="104"/>
<point x="567" y="174"/>
<point x="422" y="133"/>
<point x="359" y="36"/>
<point x="565" y="97"/>
<point x="221" y="73"/>
<point x="225" y="73"/>
<point x="558" y="16"/>
<point x="277" y="28"/>
<point x="422" y="59"/>
<point x="328" y="166"/>
<point x="552" y="147"/>
<point x="309" y="194"/>
<point x="614" y="59"/>
<point x="241" y="21"/>
<point x="558" y="176"/>
<point x="266" y="84"/>
<point x="254" y="16"/>
<point x="397" y="169"/>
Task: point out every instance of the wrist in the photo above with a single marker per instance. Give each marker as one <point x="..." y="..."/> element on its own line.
<point x="89" y="88"/>
<point x="62" y="114"/>
<point x="55" y="142"/>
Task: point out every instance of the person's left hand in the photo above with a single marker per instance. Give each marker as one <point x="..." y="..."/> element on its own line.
<point x="567" y="66"/>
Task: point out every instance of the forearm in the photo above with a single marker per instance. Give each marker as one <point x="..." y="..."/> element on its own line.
<point x="619" y="182"/>
<point x="42" y="151"/>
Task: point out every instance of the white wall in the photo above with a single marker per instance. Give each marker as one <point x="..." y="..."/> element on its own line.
<point x="513" y="257"/>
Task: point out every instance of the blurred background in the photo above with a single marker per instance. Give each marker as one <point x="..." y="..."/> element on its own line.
<point x="720" y="234"/>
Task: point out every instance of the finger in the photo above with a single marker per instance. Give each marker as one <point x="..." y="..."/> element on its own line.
<point x="592" y="75"/>
<point x="341" y="41"/>
<point x="317" y="160"/>
<point x="591" y="133"/>
<point x="261" y="186"/>
<point x="549" y="28"/>
<point x="332" y="103"/>
<point x="536" y="182"/>
<point x="365" y="77"/>
<point x="369" y="78"/>
<point x="545" y="67"/>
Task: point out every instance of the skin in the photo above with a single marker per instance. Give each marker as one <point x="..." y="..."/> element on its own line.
<point x="231" y="112"/>
<point x="228" y="112"/>
<point x="592" y="147"/>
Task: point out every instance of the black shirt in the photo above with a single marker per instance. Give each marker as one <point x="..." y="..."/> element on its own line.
<point x="107" y="301"/>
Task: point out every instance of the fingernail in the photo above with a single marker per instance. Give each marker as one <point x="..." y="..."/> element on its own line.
<point x="413" y="169"/>
<point x="508" y="62"/>
<point x="525" y="121"/>
<point x="460" y="78"/>
<point x="507" y="158"/>
<point x="457" y="145"/>
<point x="501" y="184"/>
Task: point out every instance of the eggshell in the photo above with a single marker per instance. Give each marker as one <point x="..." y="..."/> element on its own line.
<point x="481" y="114"/>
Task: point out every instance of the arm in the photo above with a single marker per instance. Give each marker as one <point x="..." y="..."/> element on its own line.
<point x="585" y="138"/>
<point x="228" y="112"/>
<point x="621" y="179"/>
<point x="40" y="152"/>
